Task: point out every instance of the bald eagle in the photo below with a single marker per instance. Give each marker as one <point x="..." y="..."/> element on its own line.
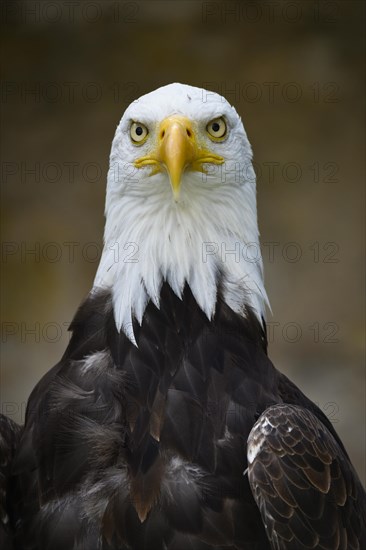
<point x="165" y="425"/>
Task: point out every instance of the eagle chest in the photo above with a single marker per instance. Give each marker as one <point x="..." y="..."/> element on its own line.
<point x="190" y="398"/>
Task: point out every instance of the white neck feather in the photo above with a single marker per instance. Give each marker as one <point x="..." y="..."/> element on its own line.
<point x="150" y="239"/>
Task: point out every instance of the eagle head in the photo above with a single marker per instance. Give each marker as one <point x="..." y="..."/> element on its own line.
<point x="181" y="206"/>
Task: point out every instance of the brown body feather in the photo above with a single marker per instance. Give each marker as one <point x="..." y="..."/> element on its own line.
<point x="145" y="447"/>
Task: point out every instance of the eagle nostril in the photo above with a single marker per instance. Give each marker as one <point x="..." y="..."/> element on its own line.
<point x="162" y="134"/>
<point x="189" y="133"/>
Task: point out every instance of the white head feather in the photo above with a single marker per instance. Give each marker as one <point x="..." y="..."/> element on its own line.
<point x="151" y="238"/>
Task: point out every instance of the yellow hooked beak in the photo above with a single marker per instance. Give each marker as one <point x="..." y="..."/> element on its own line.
<point x="176" y="151"/>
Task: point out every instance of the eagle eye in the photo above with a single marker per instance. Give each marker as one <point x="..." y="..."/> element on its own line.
<point x="138" y="133"/>
<point x="216" y="128"/>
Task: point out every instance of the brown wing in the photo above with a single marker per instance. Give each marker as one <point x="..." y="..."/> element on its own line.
<point x="307" y="491"/>
<point x="9" y="436"/>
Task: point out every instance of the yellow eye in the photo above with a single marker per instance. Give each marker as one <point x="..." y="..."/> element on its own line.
<point x="138" y="132"/>
<point x="216" y="128"/>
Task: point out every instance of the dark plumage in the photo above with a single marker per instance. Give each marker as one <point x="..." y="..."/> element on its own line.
<point x="304" y="485"/>
<point x="9" y="439"/>
<point x="146" y="447"/>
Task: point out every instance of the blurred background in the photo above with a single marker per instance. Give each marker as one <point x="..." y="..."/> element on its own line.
<point x="293" y="70"/>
